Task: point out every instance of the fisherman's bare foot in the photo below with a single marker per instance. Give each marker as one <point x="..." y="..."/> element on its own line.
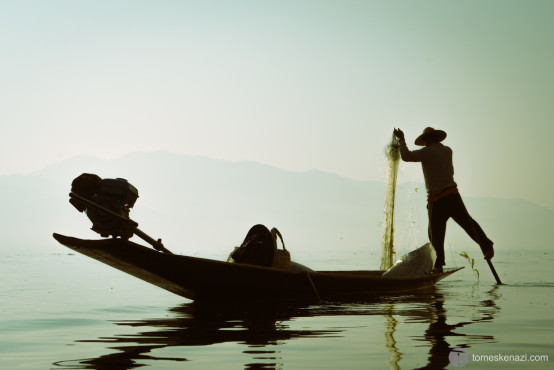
<point x="489" y="252"/>
<point x="437" y="270"/>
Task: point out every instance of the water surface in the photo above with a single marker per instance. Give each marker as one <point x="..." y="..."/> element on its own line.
<point x="70" y="312"/>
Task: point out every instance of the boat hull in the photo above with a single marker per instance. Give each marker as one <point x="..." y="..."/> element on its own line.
<point x="209" y="280"/>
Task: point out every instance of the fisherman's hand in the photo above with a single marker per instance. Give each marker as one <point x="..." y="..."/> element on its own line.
<point x="398" y="133"/>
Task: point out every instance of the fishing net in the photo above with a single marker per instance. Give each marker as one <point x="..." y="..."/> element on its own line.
<point x="392" y="152"/>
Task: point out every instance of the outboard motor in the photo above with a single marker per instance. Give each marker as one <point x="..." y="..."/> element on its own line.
<point x="115" y="195"/>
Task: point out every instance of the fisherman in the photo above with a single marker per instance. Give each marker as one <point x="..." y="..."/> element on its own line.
<point x="443" y="199"/>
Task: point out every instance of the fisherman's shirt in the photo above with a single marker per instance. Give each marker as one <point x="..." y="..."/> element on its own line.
<point x="436" y="161"/>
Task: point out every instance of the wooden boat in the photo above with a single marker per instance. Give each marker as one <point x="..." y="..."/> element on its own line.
<point x="209" y="280"/>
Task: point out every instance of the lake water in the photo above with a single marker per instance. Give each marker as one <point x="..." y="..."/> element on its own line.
<point x="70" y="312"/>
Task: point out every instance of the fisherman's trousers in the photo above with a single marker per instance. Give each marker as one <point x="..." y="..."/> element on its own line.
<point x="440" y="211"/>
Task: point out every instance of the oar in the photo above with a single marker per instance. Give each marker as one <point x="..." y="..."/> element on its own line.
<point x="157" y="244"/>
<point x="494" y="272"/>
<point x="487" y="259"/>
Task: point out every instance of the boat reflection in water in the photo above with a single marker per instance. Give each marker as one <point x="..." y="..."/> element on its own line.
<point x="264" y="329"/>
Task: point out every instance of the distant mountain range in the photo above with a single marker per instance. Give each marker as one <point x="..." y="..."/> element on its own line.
<point x="204" y="206"/>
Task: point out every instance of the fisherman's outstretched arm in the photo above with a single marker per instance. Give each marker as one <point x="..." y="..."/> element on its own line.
<point x="406" y="154"/>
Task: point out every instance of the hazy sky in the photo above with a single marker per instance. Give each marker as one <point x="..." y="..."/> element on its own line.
<point x="296" y="84"/>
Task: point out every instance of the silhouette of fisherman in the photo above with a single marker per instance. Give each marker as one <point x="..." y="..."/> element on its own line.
<point x="443" y="199"/>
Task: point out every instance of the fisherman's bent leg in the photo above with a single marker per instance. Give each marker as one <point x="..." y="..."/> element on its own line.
<point x="438" y="216"/>
<point x="471" y="227"/>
